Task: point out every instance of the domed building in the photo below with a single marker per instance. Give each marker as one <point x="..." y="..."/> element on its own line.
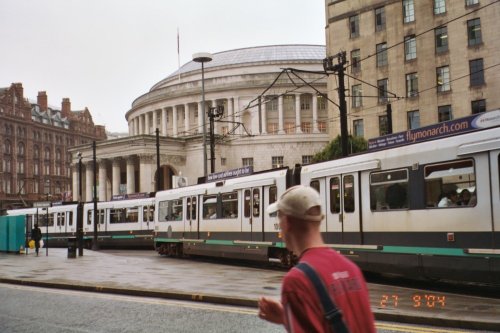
<point x="265" y="120"/>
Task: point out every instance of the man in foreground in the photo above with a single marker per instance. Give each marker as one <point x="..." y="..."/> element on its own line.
<point x="299" y="213"/>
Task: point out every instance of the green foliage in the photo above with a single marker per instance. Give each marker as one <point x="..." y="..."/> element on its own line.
<point x="333" y="150"/>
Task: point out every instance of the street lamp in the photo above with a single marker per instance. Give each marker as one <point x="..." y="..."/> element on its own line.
<point x="47" y="182"/>
<point x="79" y="155"/>
<point x="79" y="213"/>
<point x="203" y="58"/>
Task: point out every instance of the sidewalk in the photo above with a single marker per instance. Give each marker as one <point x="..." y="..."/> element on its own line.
<point x="148" y="274"/>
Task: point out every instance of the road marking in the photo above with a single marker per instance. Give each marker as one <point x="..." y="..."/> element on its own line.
<point x="416" y="329"/>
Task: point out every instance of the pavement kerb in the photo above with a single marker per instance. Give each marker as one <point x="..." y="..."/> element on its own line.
<point x="253" y="303"/>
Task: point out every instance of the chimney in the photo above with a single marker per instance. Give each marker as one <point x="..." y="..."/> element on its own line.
<point x="65" y="107"/>
<point x="42" y="100"/>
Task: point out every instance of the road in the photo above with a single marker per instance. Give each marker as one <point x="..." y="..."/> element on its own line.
<point x="30" y="309"/>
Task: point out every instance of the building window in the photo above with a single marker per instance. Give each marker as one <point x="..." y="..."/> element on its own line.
<point x="247" y="161"/>
<point x="382" y="91"/>
<point x="443" y="78"/>
<point x="272" y="128"/>
<point x="471" y="2"/>
<point x="305" y="126"/>
<point x="439" y="7"/>
<point x="381" y="54"/>
<point x="408" y="11"/>
<point x="272" y="103"/>
<point x="478" y="106"/>
<point x="277" y="161"/>
<point x="382" y="125"/>
<point x="410" y="48"/>
<point x="476" y="72"/>
<point x="289" y="128"/>
<point x="444" y="113"/>
<point x="321" y="103"/>
<point x="355" y="60"/>
<point x="474" y="32"/>
<point x="411" y="85"/>
<point x="20" y="149"/>
<point x="413" y="118"/>
<point x="356" y="96"/>
<point x="354" y="26"/>
<point x="305" y="102"/>
<point x="288" y="103"/>
<point x="322" y="126"/>
<point x="441" y="37"/>
<point x="358" y="128"/>
<point x="6" y="147"/>
<point x="223" y="161"/>
<point x="379" y="19"/>
<point x="306" y="159"/>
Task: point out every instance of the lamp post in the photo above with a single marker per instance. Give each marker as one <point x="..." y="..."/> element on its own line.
<point x="79" y="217"/>
<point x="95" y="246"/>
<point x="203" y="58"/>
<point x="47" y="182"/>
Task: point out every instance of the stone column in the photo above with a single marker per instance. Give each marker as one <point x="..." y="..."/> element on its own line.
<point x="75" y="182"/>
<point x="116" y="176"/>
<point x="186" y="118"/>
<point x="102" y="180"/>
<point x="140" y="124"/>
<point x="136" y="126"/>
<point x="89" y="177"/>
<point x="147" y="129"/>
<point x="174" y="120"/>
<point x="315" y="112"/>
<point x="164" y="122"/>
<point x="130" y="175"/>
<point x="146" y="175"/>
<point x="297" y="114"/>
<point x="154" y="125"/>
<point x="280" y="115"/>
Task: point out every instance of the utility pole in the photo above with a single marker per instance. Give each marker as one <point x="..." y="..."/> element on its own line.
<point x="159" y="173"/>
<point x="95" y="246"/>
<point x="214" y="112"/>
<point x="339" y="68"/>
<point x="389" y="118"/>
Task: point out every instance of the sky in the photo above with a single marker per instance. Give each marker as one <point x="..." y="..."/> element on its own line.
<point x="103" y="54"/>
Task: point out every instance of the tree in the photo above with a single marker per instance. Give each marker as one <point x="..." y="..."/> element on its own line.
<point x="333" y="150"/>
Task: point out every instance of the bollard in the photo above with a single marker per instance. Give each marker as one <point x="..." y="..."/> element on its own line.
<point x="71" y="247"/>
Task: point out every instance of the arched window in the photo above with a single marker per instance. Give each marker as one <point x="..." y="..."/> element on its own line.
<point x="20" y="149"/>
<point x="36" y="152"/>
<point x="47" y="153"/>
<point x="7" y="147"/>
<point x="58" y="155"/>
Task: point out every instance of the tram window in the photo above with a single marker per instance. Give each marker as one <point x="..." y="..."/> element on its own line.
<point x="90" y="216"/>
<point x="147" y="213"/>
<point x="60" y="219"/>
<point x="70" y="218"/>
<point x="188" y="212"/>
<point x="315" y="185"/>
<point x="230" y="205"/>
<point x="246" y="203"/>
<point x="170" y="210"/>
<point x="132" y="214"/>
<point x="193" y="208"/>
<point x="210" y="207"/>
<point x="273" y="197"/>
<point x="451" y="184"/>
<point x="101" y="216"/>
<point x="256" y="203"/>
<point x="349" y="194"/>
<point x="335" y="195"/>
<point x="43" y="220"/>
<point x="389" y="190"/>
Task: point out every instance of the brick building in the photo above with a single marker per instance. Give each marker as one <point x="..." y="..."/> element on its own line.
<point x="433" y="60"/>
<point x="34" y="142"/>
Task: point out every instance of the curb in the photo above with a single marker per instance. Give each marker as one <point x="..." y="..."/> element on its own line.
<point x="253" y="303"/>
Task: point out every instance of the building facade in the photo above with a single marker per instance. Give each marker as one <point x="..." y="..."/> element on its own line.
<point x="34" y="142"/>
<point x="431" y="60"/>
<point x="267" y="121"/>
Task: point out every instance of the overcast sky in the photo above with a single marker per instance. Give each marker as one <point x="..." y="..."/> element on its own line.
<point x="103" y="54"/>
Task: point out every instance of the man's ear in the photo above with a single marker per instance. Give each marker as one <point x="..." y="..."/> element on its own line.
<point x="285" y="223"/>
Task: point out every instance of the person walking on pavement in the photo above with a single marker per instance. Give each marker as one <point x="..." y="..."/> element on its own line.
<point x="36" y="235"/>
<point x="302" y="307"/>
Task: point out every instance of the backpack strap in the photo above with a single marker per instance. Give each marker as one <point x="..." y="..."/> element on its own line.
<point x="331" y="312"/>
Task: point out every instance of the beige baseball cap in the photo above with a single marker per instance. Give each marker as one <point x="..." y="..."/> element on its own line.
<point x="296" y="202"/>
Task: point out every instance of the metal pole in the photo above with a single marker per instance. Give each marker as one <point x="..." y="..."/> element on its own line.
<point x="343" y="105"/>
<point x="79" y="217"/>
<point x="204" y="122"/>
<point x="47" y="231"/>
<point x="211" y="116"/>
<point x="159" y="175"/>
<point x="95" y="246"/>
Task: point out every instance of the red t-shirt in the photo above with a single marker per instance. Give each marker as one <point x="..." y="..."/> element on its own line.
<point x="347" y="288"/>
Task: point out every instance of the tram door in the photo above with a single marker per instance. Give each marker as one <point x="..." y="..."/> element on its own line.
<point x="342" y="208"/>
<point x="192" y="217"/>
<point x="252" y="214"/>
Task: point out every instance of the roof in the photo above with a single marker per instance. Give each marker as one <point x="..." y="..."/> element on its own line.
<point x="265" y="54"/>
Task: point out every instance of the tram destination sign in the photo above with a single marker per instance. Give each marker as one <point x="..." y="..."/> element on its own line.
<point x="244" y="171"/>
<point x="444" y="129"/>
